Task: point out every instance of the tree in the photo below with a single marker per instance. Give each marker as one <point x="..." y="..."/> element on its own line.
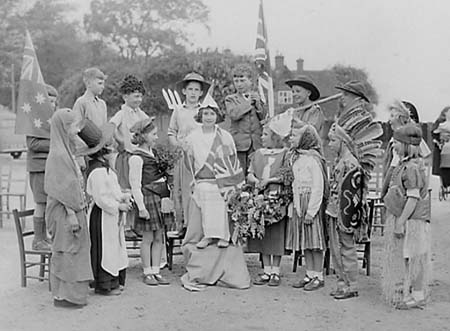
<point x="144" y="27"/>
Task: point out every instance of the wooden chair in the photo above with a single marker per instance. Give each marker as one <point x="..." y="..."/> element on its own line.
<point x="44" y="256"/>
<point x="8" y="190"/>
<point x="173" y="239"/>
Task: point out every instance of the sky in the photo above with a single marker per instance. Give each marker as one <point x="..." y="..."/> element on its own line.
<point x="404" y="45"/>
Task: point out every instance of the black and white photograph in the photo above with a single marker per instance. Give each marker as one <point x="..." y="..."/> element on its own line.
<point x="224" y="165"/>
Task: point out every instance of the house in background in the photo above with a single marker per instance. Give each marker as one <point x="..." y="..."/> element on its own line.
<point x="325" y="80"/>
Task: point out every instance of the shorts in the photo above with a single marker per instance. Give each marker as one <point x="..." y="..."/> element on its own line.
<point x="37" y="187"/>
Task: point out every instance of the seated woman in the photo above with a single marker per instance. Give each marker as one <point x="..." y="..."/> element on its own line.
<point x="212" y="159"/>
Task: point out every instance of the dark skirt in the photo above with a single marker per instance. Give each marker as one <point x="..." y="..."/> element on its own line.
<point x="273" y="242"/>
<point x="103" y="280"/>
<point x="156" y="221"/>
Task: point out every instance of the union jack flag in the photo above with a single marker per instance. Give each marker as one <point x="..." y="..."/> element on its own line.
<point x="33" y="107"/>
<point x="262" y="61"/>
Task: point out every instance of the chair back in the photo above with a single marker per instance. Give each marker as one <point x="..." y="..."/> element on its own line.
<point x="18" y="217"/>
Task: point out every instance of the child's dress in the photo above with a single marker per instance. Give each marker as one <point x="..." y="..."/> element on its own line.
<point x="308" y="190"/>
<point x="408" y="180"/>
<point x="148" y="187"/>
<point x="266" y="164"/>
<point x="109" y="257"/>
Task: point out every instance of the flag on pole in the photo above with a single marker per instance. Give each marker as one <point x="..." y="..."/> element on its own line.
<point x="33" y="106"/>
<point x="262" y="61"/>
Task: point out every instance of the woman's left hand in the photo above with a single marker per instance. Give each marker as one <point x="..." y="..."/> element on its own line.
<point x="308" y="220"/>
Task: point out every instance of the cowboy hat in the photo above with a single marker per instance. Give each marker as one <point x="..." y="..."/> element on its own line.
<point x="193" y="77"/>
<point x="307" y="83"/>
<point x="354" y="87"/>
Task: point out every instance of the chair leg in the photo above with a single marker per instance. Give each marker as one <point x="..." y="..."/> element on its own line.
<point x="296" y="257"/>
<point x="326" y="261"/>
<point x="42" y="268"/>
<point x="49" y="278"/>
<point x="170" y="253"/>
<point x="367" y="258"/>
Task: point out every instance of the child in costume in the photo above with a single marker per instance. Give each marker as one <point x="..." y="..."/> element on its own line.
<point x="406" y="271"/>
<point x="148" y="186"/>
<point x="109" y="257"/>
<point x="354" y="139"/>
<point x="310" y="189"/>
<point x="182" y="123"/>
<point x="264" y="172"/>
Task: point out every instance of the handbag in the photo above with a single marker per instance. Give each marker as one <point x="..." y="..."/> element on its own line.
<point x="159" y="188"/>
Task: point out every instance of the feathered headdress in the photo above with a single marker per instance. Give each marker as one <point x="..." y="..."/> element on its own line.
<point x="357" y="129"/>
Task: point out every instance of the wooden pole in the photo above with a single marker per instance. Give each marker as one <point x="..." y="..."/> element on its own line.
<point x="13" y="89"/>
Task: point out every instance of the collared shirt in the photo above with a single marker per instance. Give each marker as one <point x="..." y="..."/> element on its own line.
<point x="182" y="122"/>
<point x="124" y="120"/>
<point x="91" y="107"/>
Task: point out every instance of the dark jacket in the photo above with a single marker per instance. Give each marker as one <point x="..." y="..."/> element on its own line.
<point x="246" y="127"/>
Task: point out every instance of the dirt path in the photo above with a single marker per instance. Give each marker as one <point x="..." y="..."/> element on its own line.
<point x="259" y="308"/>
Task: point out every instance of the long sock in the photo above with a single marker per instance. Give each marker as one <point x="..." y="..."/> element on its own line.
<point x="148" y="270"/>
<point x="267" y="270"/>
<point x="276" y="270"/>
<point x="155" y="270"/>
<point x="39" y="228"/>
<point x="309" y="274"/>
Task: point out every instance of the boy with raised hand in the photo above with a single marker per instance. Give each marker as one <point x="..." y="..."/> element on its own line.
<point x="246" y="112"/>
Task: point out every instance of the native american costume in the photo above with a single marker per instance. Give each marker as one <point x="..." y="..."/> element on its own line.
<point x="215" y="168"/>
<point x="347" y="208"/>
<point x="407" y="265"/>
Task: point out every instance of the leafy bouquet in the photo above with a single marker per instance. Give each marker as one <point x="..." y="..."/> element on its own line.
<point x="246" y="213"/>
<point x="167" y="157"/>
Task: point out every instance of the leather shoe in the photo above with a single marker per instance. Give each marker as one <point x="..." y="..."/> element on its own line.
<point x="346" y="294"/>
<point x="315" y="284"/>
<point x="66" y="304"/>
<point x="302" y="283"/>
<point x="262" y="279"/>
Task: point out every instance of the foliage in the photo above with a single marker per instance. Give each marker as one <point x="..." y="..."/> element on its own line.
<point x="167" y="157"/>
<point x="144" y="27"/>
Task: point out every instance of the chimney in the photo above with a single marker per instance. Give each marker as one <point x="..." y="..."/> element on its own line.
<point x="279" y="62"/>
<point x="300" y="65"/>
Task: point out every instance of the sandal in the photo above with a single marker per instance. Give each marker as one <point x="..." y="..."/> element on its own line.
<point x="262" y="279"/>
<point x="302" y="283"/>
<point x="313" y="285"/>
<point x="410" y="304"/>
<point x="274" y="280"/>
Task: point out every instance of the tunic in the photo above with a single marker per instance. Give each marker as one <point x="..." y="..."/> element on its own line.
<point x="266" y="164"/>
<point x="108" y="248"/>
<point x="410" y="177"/>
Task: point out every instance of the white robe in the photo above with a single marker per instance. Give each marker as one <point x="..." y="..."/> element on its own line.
<point x="103" y="187"/>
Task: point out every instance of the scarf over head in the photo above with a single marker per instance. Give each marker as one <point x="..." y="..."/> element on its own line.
<point x="63" y="180"/>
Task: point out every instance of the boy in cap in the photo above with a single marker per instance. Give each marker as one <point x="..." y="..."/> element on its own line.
<point x="38" y="149"/>
<point x="182" y="123"/>
<point x="246" y="112"/>
<point x="304" y="91"/>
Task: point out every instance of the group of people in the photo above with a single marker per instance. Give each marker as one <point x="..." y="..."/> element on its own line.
<point x="89" y="194"/>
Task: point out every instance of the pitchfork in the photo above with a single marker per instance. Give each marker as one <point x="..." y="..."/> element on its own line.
<point x="173" y="99"/>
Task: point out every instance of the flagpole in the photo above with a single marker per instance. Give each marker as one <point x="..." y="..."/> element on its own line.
<point x="13" y="89"/>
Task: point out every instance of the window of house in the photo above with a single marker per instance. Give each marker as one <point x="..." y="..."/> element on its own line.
<point x="284" y="97"/>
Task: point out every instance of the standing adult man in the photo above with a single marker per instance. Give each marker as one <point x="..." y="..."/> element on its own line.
<point x="354" y="95"/>
<point x="246" y="111"/>
<point x="38" y="149"/>
<point x="353" y="138"/>
<point x="304" y="92"/>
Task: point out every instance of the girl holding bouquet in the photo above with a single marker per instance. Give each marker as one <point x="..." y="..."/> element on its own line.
<point x="264" y="173"/>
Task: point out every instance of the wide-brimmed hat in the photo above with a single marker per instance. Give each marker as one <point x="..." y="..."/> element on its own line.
<point x="94" y="137"/>
<point x="307" y="83"/>
<point x="354" y="87"/>
<point x="193" y="77"/>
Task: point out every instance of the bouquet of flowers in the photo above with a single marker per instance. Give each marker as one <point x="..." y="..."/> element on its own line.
<point x="167" y="158"/>
<point x="246" y="213"/>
